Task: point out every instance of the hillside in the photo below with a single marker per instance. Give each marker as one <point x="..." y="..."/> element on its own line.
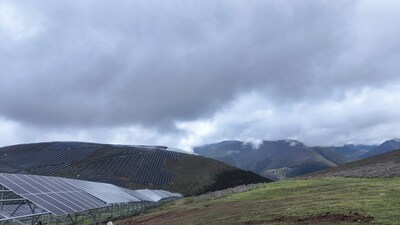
<point x="386" y="146"/>
<point x="275" y="160"/>
<point x="126" y="166"/>
<point x="353" y="152"/>
<point x="383" y="165"/>
<point x="313" y="201"/>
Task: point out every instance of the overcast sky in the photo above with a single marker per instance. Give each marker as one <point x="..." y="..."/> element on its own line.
<point x="186" y="73"/>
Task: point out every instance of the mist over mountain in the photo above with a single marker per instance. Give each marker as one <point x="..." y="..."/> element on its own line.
<point x="288" y="158"/>
<point x="273" y="159"/>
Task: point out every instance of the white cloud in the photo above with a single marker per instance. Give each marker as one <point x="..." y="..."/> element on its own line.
<point x="18" y="25"/>
<point x="366" y="116"/>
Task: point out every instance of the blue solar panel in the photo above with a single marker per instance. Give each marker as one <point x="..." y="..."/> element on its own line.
<point x="54" y="194"/>
<point x="65" y="196"/>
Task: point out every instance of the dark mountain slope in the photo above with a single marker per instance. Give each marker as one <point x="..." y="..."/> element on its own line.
<point x="387" y="146"/>
<point x="331" y="155"/>
<point x="126" y="166"/>
<point x="383" y="165"/>
<point x="273" y="159"/>
<point x="353" y="152"/>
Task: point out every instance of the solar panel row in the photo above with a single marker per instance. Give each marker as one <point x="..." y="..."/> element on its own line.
<point x="65" y="196"/>
<point x="140" y="165"/>
<point x="51" y="193"/>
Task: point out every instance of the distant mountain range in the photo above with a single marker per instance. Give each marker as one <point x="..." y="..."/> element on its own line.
<point x="283" y="159"/>
<point x="153" y="167"/>
<point x="273" y="159"/>
<point x="382" y="165"/>
<point x="353" y="152"/>
<point x="383" y="148"/>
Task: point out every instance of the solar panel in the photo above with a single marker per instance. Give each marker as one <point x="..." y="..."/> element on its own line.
<point x="62" y="196"/>
<point x="138" y="195"/>
<point x="170" y="194"/>
<point x="151" y="194"/>
<point x="106" y="192"/>
<point x="51" y="193"/>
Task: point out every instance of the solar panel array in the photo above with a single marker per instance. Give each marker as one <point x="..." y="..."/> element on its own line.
<point x="131" y="164"/>
<point x="136" y="164"/>
<point x="62" y="196"/>
<point x="108" y="193"/>
<point x="49" y="159"/>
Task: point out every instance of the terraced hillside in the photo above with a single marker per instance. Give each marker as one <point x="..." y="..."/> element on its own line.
<point x="275" y="160"/>
<point x="126" y="166"/>
<point x="383" y="165"/>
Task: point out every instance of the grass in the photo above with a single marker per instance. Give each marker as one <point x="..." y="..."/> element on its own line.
<point x="377" y="197"/>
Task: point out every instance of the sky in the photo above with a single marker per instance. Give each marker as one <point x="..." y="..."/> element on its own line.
<point x="184" y="73"/>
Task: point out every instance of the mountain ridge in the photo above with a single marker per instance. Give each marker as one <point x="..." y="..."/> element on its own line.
<point x="378" y="166"/>
<point x="273" y="159"/>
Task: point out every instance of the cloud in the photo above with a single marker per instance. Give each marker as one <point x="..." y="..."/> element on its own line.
<point x="168" y="69"/>
<point x="368" y="116"/>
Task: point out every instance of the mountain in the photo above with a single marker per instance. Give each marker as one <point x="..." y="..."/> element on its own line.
<point x="384" y="147"/>
<point x="383" y="165"/>
<point x="353" y="152"/>
<point x="273" y="159"/>
<point x="153" y="167"/>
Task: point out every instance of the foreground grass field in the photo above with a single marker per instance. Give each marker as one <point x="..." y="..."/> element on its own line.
<point x="314" y="201"/>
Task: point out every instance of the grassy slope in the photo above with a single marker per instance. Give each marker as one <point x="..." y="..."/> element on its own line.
<point x="377" y="197"/>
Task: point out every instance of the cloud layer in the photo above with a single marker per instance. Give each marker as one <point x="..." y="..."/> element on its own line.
<point x="184" y="73"/>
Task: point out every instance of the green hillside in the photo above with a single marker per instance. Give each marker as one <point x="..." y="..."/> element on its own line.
<point x="313" y="201"/>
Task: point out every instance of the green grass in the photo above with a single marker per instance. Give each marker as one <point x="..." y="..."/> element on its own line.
<point x="379" y="198"/>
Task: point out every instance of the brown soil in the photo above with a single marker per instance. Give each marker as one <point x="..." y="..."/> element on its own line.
<point x="317" y="219"/>
<point x="156" y="219"/>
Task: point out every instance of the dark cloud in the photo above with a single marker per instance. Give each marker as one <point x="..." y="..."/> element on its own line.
<point x="150" y="62"/>
<point x="153" y="63"/>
